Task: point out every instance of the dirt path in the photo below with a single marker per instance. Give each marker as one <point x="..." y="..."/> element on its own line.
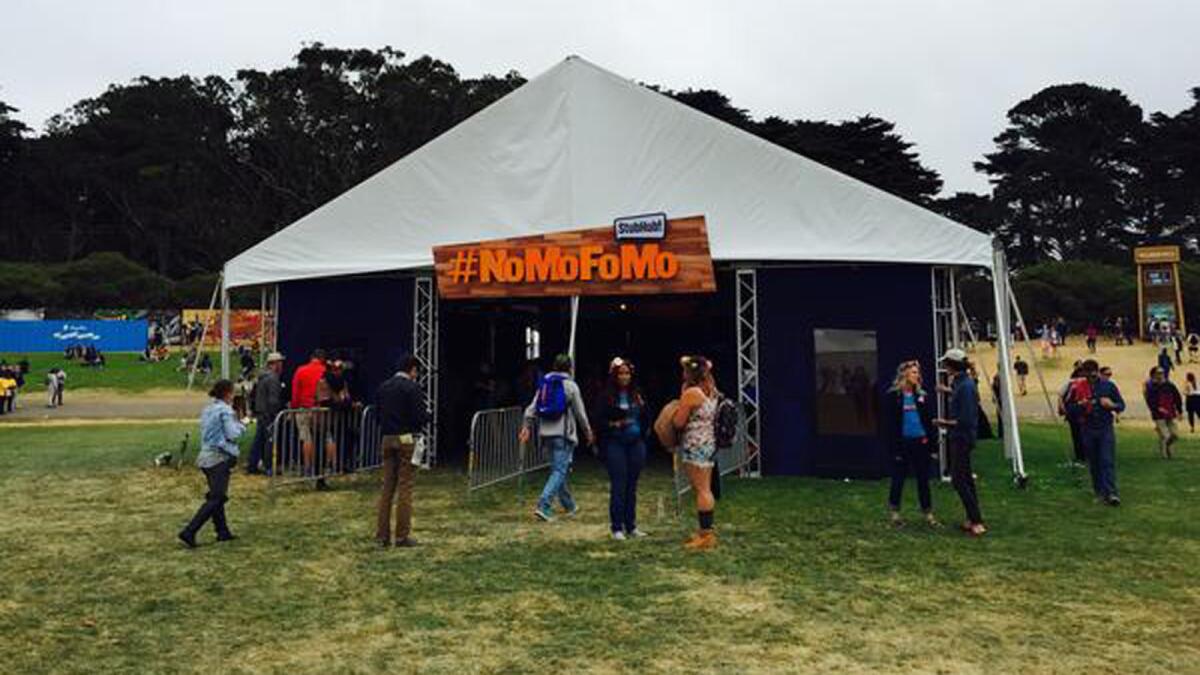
<point x="104" y="405"/>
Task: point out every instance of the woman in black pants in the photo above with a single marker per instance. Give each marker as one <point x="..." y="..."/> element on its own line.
<point x="914" y="427"/>
<point x="219" y="432"/>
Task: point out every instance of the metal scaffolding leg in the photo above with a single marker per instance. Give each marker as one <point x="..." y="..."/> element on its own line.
<point x="747" y="343"/>
<point x="945" y="336"/>
<point x="425" y="329"/>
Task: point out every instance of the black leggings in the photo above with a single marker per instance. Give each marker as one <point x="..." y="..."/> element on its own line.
<point x="910" y="456"/>
<point x="1193" y="410"/>
<point x="963" y="479"/>
<point x="214" y="501"/>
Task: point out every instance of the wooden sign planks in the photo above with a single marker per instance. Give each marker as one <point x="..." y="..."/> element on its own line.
<point x="581" y="262"/>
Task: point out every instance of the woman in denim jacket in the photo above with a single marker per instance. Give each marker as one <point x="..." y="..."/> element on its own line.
<point x="219" y="432"/>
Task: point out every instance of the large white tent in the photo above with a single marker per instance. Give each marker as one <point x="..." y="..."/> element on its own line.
<point x="579" y="146"/>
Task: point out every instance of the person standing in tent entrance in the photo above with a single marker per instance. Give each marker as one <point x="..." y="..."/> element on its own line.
<point x="219" y="433"/>
<point x="1096" y="400"/>
<point x="696" y="417"/>
<point x="1166" y="405"/>
<point x="910" y="454"/>
<point x="962" y="427"/>
<point x="557" y="410"/>
<point x="623" y="416"/>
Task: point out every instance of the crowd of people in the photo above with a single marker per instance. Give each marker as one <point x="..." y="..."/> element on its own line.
<point x="561" y="416"/>
<point x="89" y="355"/>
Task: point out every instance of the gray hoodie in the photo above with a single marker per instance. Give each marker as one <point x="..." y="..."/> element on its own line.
<point x="574" y="418"/>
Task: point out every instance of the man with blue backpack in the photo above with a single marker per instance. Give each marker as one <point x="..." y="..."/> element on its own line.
<point x="558" y="411"/>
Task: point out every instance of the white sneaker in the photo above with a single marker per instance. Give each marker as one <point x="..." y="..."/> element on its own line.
<point x="637" y="533"/>
<point x="618" y="535"/>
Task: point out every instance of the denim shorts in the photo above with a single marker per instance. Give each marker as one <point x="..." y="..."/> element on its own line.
<point x="701" y="457"/>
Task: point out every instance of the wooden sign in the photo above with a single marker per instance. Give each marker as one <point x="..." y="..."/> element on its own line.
<point x="637" y="255"/>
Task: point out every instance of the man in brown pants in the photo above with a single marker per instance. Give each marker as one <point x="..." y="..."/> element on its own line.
<point x="403" y="412"/>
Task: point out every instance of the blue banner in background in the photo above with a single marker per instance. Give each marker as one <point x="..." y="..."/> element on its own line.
<point x="56" y="336"/>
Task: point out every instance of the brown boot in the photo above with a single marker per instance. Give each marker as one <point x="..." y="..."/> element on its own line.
<point x="691" y="541"/>
<point x="705" y="540"/>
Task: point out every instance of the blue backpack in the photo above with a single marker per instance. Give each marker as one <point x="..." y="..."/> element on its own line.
<point x="552" y="397"/>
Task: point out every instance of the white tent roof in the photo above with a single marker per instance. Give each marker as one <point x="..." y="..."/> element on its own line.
<point x="579" y="146"/>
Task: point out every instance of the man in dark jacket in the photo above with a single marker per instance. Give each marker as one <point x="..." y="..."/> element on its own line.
<point x="962" y="429"/>
<point x="267" y="401"/>
<point x="1165" y="404"/>
<point x="403" y="413"/>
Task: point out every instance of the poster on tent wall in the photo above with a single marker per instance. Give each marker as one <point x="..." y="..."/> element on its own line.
<point x="55" y="336"/>
<point x="244" y="325"/>
<point x="642" y="254"/>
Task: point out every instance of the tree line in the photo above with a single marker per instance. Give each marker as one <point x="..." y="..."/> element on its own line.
<point x="179" y="174"/>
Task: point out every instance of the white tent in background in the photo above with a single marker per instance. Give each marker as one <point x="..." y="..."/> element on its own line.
<point x="579" y="146"/>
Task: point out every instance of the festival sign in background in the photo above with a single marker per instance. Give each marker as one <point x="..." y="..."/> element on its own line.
<point x="647" y="254"/>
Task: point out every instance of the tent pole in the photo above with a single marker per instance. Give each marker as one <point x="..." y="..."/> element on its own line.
<point x="1012" y="439"/>
<point x="262" y="324"/>
<point x="212" y="303"/>
<point x="1033" y="361"/>
<point x="574" y="325"/>
<point x="224" y="331"/>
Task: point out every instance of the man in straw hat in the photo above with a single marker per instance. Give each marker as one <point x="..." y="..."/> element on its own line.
<point x="266" y="403"/>
<point x="962" y="429"/>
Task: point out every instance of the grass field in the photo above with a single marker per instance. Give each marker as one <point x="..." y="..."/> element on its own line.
<point x="809" y="578"/>
<point x="123" y="372"/>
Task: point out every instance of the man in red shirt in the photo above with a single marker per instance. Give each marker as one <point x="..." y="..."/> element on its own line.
<point x="304" y="395"/>
<point x="1165" y="403"/>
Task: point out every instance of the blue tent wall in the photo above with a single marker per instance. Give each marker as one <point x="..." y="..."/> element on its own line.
<point x="370" y="318"/>
<point x="894" y="301"/>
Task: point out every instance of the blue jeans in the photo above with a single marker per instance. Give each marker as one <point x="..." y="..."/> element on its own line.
<point x="561" y="452"/>
<point x="1101" y="448"/>
<point x="625" y="458"/>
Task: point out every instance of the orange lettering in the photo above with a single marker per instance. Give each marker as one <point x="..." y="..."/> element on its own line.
<point x="610" y="267"/>
<point x="491" y="265"/>
<point x="638" y="263"/>
<point x="541" y="264"/>
<point x="667" y="265"/>
<point x="587" y="260"/>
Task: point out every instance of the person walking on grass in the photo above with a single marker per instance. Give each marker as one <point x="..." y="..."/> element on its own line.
<point x="695" y="418"/>
<point x="557" y="411"/>
<point x="1092" y="334"/>
<point x="622" y="440"/>
<point x="1096" y="400"/>
<point x="1022" y="370"/>
<point x="962" y="427"/>
<point x="1165" y="363"/>
<point x="911" y="451"/>
<point x="403" y="413"/>
<point x="219" y="433"/>
<point x="1165" y="404"/>
<point x="267" y="403"/>
<point x="1191" y="400"/>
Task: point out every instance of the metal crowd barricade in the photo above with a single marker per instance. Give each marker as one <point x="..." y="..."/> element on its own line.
<point x="309" y="444"/>
<point x="496" y="452"/>
<point x="370" y="445"/>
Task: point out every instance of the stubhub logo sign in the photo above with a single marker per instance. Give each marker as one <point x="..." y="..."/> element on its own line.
<point x="646" y="226"/>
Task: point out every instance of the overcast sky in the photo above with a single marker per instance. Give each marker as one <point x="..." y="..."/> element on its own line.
<point x="945" y="71"/>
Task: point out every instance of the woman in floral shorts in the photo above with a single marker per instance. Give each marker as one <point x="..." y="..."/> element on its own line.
<point x="695" y="419"/>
